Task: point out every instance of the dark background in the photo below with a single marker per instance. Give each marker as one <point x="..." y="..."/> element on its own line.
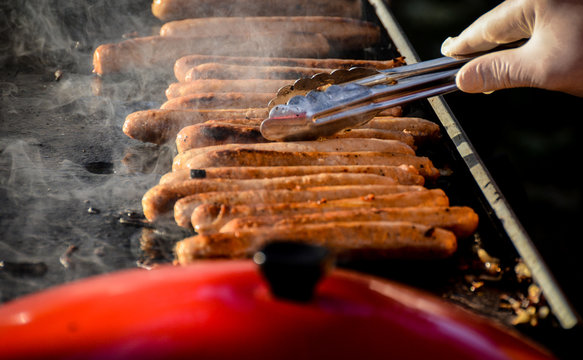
<point x="528" y="139"/>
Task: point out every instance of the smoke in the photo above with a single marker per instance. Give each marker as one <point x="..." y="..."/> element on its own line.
<point x="63" y="33"/>
<point x="68" y="174"/>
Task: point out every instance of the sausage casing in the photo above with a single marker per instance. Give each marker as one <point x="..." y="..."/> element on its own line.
<point x="185" y="63"/>
<point x="160" y="126"/>
<point x="250" y="157"/>
<point x="462" y="221"/>
<point x="182" y="9"/>
<point x="376" y="239"/>
<point x="161" y="198"/>
<point x="210" y="217"/>
<point x="403" y="174"/>
<point x="184" y="207"/>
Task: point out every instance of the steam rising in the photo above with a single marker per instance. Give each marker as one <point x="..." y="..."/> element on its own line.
<point x="67" y="172"/>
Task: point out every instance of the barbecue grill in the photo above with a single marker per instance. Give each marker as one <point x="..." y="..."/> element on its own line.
<point x="71" y="182"/>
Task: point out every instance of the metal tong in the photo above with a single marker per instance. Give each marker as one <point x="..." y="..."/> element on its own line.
<point x="328" y="103"/>
<point x="331" y="107"/>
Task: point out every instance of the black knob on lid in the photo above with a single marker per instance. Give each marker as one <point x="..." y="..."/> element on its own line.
<point x="293" y="269"/>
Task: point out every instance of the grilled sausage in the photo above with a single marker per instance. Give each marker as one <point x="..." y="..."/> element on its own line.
<point x="210" y="217"/>
<point x="145" y="52"/>
<point x="163" y="197"/>
<point x="343" y="34"/>
<point x="375" y="134"/>
<point x="403" y="174"/>
<point x="185" y="63"/>
<point x="175" y="90"/>
<point x="184" y="207"/>
<point x="216" y="135"/>
<point x="218" y="101"/>
<point x="367" y="239"/>
<point x="228" y="133"/>
<point x="460" y="220"/>
<point x="183" y="9"/>
<point x="266" y="72"/>
<point x="421" y="129"/>
<point x="244" y="157"/>
<point x="160" y="126"/>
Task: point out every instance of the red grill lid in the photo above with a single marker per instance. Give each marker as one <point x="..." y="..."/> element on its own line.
<point x="224" y="310"/>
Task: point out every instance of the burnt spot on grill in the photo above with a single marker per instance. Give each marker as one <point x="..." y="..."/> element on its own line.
<point x="34" y="269"/>
<point x="99" y="167"/>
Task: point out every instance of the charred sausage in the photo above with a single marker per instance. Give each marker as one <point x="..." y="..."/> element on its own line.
<point x="460" y="220"/>
<point x="244" y="157"/>
<point x="218" y="101"/>
<point x="182" y="9"/>
<point x="184" y="207"/>
<point x="189" y="137"/>
<point x="214" y="136"/>
<point x="403" y="174"/>
<point x="421" y="129"/>
<point x="161" y="198"/>
<point x="185" y="63"/>
<point x="163" y="51"/>
<point x="343" y="34"/>
<point x="266" y="72"/>
<point x="160" y="126"/>
<point x="178" y="89"/>
<point x="210" y="217"/>
<point x="382" y="239"/>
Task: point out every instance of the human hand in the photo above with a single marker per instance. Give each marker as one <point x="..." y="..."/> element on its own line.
<point x="552" y="58"/>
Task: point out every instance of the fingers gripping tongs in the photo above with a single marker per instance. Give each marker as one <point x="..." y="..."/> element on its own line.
<point x="328" y="103"/>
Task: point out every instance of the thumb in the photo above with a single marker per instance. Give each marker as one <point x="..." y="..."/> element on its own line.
<point x="500" y="70"/>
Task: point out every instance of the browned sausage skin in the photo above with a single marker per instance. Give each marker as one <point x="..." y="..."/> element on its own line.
<point x="343" y="33"/>
<point x="210" y="217"/>
<point x="185" y="63"/>
<point x="184" y="207"/>
<point x="265" y="72"/>
<point x="403" y="174"/>
<point x="161" y="198"/>
<point x="224" y="86"/>
<point x="251" y="157"/>
<point x="160" y="126"/>
<point x="163" y="51"/>
<point x="182" y="9"/>
<point x="376" y="239"/>
<point x="229" y="133"/>
<point x="462" y="221"/>
<point x="218" y="101"/>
